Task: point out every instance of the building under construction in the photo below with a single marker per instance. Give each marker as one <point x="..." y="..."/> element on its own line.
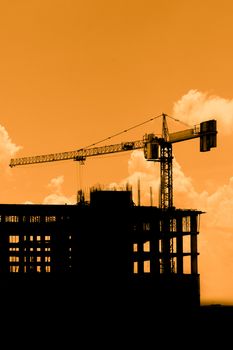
<point x="107" y="246"/>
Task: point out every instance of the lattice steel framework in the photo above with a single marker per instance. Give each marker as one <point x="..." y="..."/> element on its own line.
<point x="166" y="187"/>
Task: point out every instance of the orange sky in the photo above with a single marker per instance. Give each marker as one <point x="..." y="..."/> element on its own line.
<point x="73" y="72"/>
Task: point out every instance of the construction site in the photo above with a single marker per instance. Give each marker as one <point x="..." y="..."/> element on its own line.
<point x="108" y="246"/>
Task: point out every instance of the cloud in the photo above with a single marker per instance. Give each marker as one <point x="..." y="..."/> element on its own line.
<point x="56" y="184"/>
<point x="216" y="228"/>
<point x="7" y="148"/>
<point x="220" y="205"/>
<point x="146" y="174"/>
<point x="141" y="173"/>
<point x="216" y="224"/>
<point x="196" y="106"/>
<point x="57" y="196"/>
<point x="215" y="244"/>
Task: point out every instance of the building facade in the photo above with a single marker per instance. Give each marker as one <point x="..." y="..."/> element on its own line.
<point x="105" y="247"/>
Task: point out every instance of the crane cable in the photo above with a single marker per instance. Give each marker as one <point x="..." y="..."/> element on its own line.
<point x="134" y="127"/>
<point x="122" y="132"/>
<point x="179" y="121"/>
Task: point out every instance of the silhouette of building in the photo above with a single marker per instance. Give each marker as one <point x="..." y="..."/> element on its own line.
<point x="103" y="248"/>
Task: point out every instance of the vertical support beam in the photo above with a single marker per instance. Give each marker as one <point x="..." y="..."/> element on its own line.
<point x="140" y="258"/>
<point x="4" y="249"/>
<point x="154" y="249"/>
<point x="139" y="193"/>
<point x="43" y="253"/>
<point x="165" y="244"/>
<point x="151" y="197"/>
<point x="193" y="243"/>
<point x="20" y="253"/>
<point x="179" y="246"/>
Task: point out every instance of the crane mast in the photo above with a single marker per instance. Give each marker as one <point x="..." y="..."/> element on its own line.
<point x="166" y="178"/>
<point x="166" y="199"/>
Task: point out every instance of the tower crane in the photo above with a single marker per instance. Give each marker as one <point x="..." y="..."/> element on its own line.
<point x="158" y="149"/>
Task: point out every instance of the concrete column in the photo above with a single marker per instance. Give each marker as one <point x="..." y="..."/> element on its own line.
<point x="179" y="246"/>
<point x="193" y="242"/>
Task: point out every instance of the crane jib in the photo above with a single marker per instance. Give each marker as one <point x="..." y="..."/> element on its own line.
<point x="206" y="132"/>
<point x="78" y="155"/>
